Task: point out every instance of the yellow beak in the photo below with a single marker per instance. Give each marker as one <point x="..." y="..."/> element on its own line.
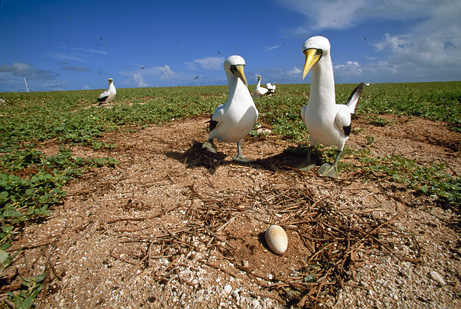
<point x="311" y="58"/>
<point x="240" y="74"/>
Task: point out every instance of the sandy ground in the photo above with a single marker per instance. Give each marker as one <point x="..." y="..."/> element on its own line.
<point x="174" y="226"/>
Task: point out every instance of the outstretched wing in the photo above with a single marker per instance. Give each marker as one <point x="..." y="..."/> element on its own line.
<point x="354" y="98"/>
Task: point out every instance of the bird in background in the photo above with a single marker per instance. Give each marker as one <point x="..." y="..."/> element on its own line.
<point x="328" y="123"/>
<point x="271" y="88"/>
<point x="232" y="121"/>
<point x="108" y="95"/>
<point x="259" y="91"/>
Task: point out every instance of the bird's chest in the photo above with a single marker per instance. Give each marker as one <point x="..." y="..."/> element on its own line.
<point x="318" y="118"/>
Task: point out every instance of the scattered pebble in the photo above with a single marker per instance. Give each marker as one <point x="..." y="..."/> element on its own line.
<point x="436" y="276"/>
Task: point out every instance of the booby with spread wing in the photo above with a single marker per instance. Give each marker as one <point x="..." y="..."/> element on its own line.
<point x="259" y="91"/>
<point x="109" y="94"/>
<point x="271" y="87"/>
<point x="232" y="121"/>
<point x="328" y="123"/>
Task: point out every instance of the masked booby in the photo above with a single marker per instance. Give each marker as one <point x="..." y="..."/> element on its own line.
<point x="232" y="121"/>
<point x="328" y="123"/>
<point x="259" y="91"/>
<point x="109" y="94"/>
<point x="271" y="87"/>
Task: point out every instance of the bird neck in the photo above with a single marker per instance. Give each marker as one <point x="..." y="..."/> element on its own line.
<point x="258" y="84"/>
<point x="238" y="91"/>
<point x="112" y="87"/>
<point x="323" y="83"/>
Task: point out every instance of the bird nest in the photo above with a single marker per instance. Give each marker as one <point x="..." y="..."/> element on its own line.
<point x="225" y="231"/>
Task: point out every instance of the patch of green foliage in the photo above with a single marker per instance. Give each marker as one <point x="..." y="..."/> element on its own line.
<point x="429" y="180"/>
<point x="30" y="288"/>
<point x="30" y="196"/>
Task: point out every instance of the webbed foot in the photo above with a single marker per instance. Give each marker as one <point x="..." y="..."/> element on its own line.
<point x="241" y="159"/>
<point x="209" y="146"/>
<point x="329" y="170"/>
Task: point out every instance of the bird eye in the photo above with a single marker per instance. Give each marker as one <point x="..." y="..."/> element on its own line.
<point x="233" y="68"/>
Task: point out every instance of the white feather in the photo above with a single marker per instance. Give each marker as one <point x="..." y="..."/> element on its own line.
<point x="239" y="114"/>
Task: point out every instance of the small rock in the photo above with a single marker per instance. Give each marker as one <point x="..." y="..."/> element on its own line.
<point x="436" y="276"/>
<point x="227" y="289"/>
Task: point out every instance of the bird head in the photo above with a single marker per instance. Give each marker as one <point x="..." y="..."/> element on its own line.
<point x="110" y="80"/>
<point x="314" y="48"/>
<point x="235" y="65"/>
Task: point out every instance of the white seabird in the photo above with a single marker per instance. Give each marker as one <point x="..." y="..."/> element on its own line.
<point x="259" y="91"/>
<point x="109" y="94"/>
<point x="328" y="123"/>
<point x="232" y="121"/>
<point x="271" y="87"/>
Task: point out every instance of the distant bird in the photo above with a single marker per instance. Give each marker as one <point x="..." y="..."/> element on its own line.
<point x="109" y="94"/>
<point x="271" y="87"/>
<point x="259" y="91"/>
<point x="328" y="123"/>
<point x="232" y="121"/>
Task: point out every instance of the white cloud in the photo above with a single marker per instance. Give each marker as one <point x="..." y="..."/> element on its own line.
<point x="78" y="54"/>
<point x="349" y="70"/>
<point x="207" y="63"/>
<point x="73" y="68"/>
<point x="90" y="50"/>
<point x="139" y="80"/>
<point x="19" y="69"/>
<point x="340" y="14"/>
<point x="155" y="77"/>
<point x="273" y="47"/>
<point x="428" y="50"/>
<point x="295" y="72"/>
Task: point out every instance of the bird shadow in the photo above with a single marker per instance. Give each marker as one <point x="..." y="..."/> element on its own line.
<point x="290" y="158"/>
<point x="196" y="157"/>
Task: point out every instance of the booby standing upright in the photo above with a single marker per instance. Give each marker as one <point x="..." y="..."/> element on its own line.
<point x="109" y="94"/>
<point x="328" y="123"/>
<point x="259" y="91"/>
<point x="232" y="121"/>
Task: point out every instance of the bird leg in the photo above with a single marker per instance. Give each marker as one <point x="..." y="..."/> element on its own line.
<point x="239" y="158"/>
<point x="208" y="145"/>
<point x="308" y="164"/>
<point x="330" y="170"/>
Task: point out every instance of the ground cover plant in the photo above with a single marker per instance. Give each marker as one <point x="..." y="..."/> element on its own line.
<point x="33" y="183"/>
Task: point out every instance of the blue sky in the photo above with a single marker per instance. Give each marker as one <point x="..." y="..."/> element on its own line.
<point x="74" y="45"/>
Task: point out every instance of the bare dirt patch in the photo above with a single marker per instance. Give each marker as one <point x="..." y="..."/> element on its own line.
<point x="174" y="226"/>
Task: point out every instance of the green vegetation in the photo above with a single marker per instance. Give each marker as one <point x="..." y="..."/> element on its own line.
<point x="31" y="183"/>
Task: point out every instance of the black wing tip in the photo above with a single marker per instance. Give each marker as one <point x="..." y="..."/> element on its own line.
<point x="347" y="130"/>
<point x="357" y="91"/>
<point x="102" y="99"/>
<point x="213" y="124"/>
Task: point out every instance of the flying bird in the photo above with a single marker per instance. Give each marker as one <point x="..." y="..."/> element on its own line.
<point x="259" y="91"/>
<point x="328" y="123"/>
<point x="271" y="87"/>
<point x="232" y="121"/>
<point x="107" y="95"/>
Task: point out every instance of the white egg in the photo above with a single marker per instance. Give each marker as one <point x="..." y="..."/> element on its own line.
<point x="276" y="239"/>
